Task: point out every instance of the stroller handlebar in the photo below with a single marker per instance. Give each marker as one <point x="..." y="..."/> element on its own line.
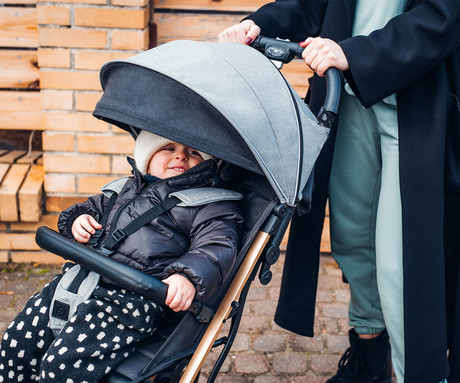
<point x="284" y="51"/>
<point x="123" y="275"/>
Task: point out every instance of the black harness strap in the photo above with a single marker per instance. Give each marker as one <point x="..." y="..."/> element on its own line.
<point x="95" y="238"/>
<point x="94" y="241"/>
<point x="75" y="285"/>
<point x="119" y="235"/>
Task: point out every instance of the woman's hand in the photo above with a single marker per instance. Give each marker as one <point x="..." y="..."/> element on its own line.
<point x="83" y="227"/>
<point x="321" y="54"/>
<point x="180" y="292"/>
<point x="243" y="33"/>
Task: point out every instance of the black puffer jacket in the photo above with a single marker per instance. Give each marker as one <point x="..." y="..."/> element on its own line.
<point x="199" y="242"/>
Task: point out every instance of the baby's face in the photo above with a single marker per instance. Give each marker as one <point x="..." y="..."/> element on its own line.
<point x="173" y="159"/>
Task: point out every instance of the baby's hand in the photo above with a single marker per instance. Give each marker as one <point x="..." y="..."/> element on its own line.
<point x="180" y="292"/>
<point x="83" y="227"/>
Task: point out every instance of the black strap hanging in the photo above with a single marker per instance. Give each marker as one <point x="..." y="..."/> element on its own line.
<point x="119" y="235"/>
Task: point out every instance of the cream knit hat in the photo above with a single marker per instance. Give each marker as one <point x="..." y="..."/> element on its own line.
<point x="147" y="144"/>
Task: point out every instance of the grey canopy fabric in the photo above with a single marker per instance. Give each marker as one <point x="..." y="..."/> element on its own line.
<point x="222" y="98"/>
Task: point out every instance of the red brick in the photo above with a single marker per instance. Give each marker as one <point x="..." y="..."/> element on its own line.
<point x="111" y="18"/>
<point x="103" y="144"/>
<point x="95" y="59"/>
<point x="120" y="165"/>
<point x="85" y="101"/>
<point x="50" y="14"/>
<point x="56" y="204"/>
<point x="57" y="99"/>
<point x="130" y="3"/>
<point x="53" y="58"/>
<point x="74" y="122"/>
<point x="58" y="142"/>
<point x="76" y="164"/>
<point x="130" y="39"/>
<point x="49" y="220"/>
<point x="60" y="183"/>
<point x="93" y="2"/>
<point x="72" y="38"/>
<point x="42" y="257"/>
<point x="3" y="256"/>
<point x="92" y="185"/>
<point x="18" y="241"/>
<point x="69" y="80"/>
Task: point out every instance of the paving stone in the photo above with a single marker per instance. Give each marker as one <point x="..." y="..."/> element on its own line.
<point x="342" y="296"/>
<point x="254" y="324"/>
<point x="257" y="294"/>
<point x="343" y="325"/>
<point x="289" y="362"/>
<point x="278" y="329"/>
<point x="330" y="267"/>
<point x="335" y="310"/>
<point x="326" y="363"/>
<point x="232" y="378"/>
<point x="5" y="300"/>
<point x="274" y="294"/>
<point x="270" y="343"/>
<point x="329" y="325"/>
<point x="331" y="282"/>
<point x="264" y="308"/>
<point x="251" y="363"/>
<point x="306" y="344"/>
<point x="337" y="343"/>
<point x="324" y="296"/>
<point x="211" y="359"/>
<point x="271" y="379"/>
<point x="242" y="342"/>
<point x="308" y="377"/>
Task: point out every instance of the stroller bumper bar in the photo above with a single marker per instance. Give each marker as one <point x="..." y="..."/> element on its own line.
<point x="123" y="275"/>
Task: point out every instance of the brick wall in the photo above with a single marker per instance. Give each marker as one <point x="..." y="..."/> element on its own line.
<point x="81" y="153"/>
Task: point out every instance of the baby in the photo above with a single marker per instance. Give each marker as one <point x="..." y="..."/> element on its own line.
<point x="191" y="248"/>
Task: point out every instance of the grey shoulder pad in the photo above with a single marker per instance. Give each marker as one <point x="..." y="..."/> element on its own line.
<point x="203" y="196"/>
<point x="114" y="186"/>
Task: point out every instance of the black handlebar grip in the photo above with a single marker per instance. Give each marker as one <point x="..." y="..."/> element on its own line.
<point x="334" y="90"/>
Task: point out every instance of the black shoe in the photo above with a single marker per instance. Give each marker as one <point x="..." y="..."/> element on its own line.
<point x="365" y="361"/>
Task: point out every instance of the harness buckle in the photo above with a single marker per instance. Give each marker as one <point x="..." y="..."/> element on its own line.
<point x="106" y="251"/>
<point x="119" y="235"/>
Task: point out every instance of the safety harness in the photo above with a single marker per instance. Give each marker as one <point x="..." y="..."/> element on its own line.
<point x="78" y="284"/>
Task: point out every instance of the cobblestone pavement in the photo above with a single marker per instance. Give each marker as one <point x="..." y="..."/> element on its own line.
<point x="262" y="351"/>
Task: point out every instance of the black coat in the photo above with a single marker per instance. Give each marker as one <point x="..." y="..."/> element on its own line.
<point x="200" y="242"/>
<point x="417" y="56"/>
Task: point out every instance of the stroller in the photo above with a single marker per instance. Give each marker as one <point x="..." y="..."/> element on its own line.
<point x="230" y="101"/>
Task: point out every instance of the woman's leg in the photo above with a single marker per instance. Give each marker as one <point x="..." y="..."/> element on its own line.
<point x="353" y="197"/>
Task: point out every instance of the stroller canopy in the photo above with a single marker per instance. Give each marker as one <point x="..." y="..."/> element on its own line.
<point x="225" y="99"/>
